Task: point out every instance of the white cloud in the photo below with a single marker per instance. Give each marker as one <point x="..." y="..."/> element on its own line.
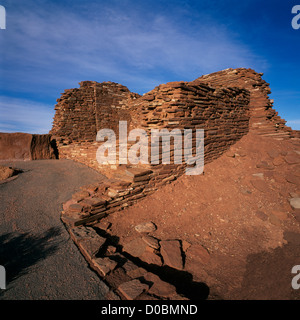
<point x="57" y="45"/>
<point x="24" y="115"/>
<point x="53" y="47"/>
<point x="294" y="124"/>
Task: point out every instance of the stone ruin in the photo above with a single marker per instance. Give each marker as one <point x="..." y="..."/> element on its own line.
<point x="226" y="104"/>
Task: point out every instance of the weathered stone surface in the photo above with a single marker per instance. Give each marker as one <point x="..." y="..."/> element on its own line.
<point x="151" y="258"/>
<point x="90" y="247"/>
<point x="171" y="253"/>
<point x="198" y="253"/>
<point x="260" y="185"/>
<point x="136" y="273"/>
<point x="281" y="215"/>
<point x="295" y="203"/>
<point x="265" y="165"/>
<point x="146" y="227"/>
<point x="292" y="178"/>
<point x="75" y="207"/>
<point x="67" y="204"/>
<point x="261" y="215"/>
<point x="104" y="225"/>
<point x="292" y="159"/>
<point x="135" y="247"/>
<point x="185" y="245"/>
<point x="88" y="240"/>
<point x="80" y="195"/>
<point x="159" y="287"/>
<point x="259" y="175"/>
<point x="273" y="153"/>
<point x="111" y="249"/>
<point x="278" y="161"/>
<point x="25" y="146"/>
<point x="151" y="241"/>
<point x="104" y="265"/>
<point x="129" y="266"/>
<point x="132" y="289"/>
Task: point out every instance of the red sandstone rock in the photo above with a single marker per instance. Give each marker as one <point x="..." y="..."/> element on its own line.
<point x="159" y="287"/>
<point x="151" y="258"/>
<point x="260" y="185"/>
<point x="25" y="146"/>
<point x="136" y="247"/>
<point x="151" y="241"/>
<point x="171" y="253"/>
<point x="132" y="289"/>
<point x="198" y="253"/>
<point x="104" y="265"/>
<point x="145" y="227"/>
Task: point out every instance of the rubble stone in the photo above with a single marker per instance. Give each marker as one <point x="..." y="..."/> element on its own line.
<point x="171" y="253"/>
<point x="132" y="289"/>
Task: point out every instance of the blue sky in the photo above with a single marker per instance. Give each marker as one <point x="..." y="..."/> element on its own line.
<point x="49" y="46"/>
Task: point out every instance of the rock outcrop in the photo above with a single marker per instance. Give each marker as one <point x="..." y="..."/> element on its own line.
<point x="25" y="146"/>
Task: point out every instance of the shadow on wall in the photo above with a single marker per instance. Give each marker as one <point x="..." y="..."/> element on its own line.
<point x="19" y="252"/>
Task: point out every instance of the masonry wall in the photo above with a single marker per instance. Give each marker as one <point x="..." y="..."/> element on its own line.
<point x="82" y="111"/>
<point x="223" y="113"/>
<point x="264" y="120"/>
<point x="225" y="104"/>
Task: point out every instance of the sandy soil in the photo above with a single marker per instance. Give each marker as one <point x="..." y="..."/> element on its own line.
<point x="239" y="210"/>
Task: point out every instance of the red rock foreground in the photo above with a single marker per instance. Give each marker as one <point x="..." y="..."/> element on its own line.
<point x="231" y="233"/>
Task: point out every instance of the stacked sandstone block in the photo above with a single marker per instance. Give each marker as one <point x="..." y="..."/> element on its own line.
<point x="225" y="104"/>
<point x="223" y="113"/>
<point x="98" y="200"/>
<point x="82" y="111"/>
<point x="264" y="119"/>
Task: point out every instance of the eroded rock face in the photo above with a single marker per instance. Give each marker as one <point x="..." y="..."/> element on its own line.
<point x="26" y="146"/>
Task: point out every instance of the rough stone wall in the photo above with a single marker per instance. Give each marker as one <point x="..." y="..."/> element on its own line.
<point x="222" y="113"/>
<point x="264" y="120"/>
<point x="225" y="104"/>
<point x="82" y="111"/>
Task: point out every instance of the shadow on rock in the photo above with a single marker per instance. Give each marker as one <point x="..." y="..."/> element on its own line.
<point x="180" y="279"/>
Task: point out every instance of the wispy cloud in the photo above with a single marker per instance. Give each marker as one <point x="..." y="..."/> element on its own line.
<point x="294" y="124"/>
<point x="19" y="115"/>
<point x="61" y="45"/>
<point x="51" y="47"/>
